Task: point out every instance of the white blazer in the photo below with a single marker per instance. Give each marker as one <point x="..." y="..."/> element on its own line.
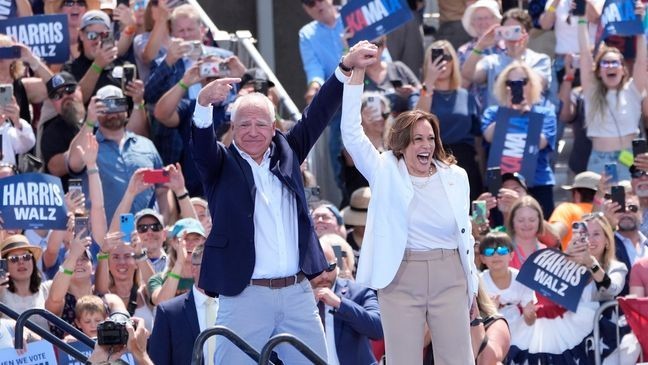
<point x="385" y="239"/>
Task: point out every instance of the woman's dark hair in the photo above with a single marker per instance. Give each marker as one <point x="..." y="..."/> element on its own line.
<point x="520" y="16"/>
<point x="34" y="280"/>
<point x="402" y="132"/>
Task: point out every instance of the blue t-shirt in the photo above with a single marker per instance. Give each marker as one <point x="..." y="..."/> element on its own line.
<point x="543" y="174"/>
<point x="458" y="116"/>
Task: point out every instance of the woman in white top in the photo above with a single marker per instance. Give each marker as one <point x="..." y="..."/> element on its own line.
<point x="26" y="289"/>
<point x="612" y="99"/>
<point x="418" y="248"/>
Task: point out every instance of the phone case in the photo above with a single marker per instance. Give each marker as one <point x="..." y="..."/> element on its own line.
<point x="611" y="170"/>
<point x="127" y="226"/>
<point x="618" y="196"/>
<point x="639" y="146"/>
<point x="494" y="178"/>
<point x="6" y="92"/>
<point x="81" y="227"/>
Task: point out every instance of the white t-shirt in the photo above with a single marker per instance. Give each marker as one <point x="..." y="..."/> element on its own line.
<point x="430" y="226"/>
<point x="622" y="115"/>
<point x="567" y="34"/>
<point x="509" y="298"/>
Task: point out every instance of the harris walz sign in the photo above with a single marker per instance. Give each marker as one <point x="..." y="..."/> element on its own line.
<point x="46" y="35"/>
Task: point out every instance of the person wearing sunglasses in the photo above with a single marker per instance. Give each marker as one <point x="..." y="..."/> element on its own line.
<point x="613" y="97"/>
<point x="519" y="87"/>
<point x="455" y="107"/>
<point x="639" y="184"/>
<point x="26" y="288"/>
<point x="349" y="313"/>
<point x="150" y="229"/>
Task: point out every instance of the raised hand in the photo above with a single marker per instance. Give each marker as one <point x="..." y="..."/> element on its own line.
<point x="89" y="150"/>
<point x="135" y="89"/>
<point x="216" y="91"/>
<point x="361" y="55"/>
<point x="136" y="184"/>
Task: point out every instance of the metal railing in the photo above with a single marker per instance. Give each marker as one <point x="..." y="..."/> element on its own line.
<point x="197" y="355"/>
<point x="266" y="352"/>
<point x="22" y="321"/>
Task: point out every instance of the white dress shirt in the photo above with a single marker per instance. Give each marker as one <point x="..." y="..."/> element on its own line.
<point x="16" y="141"/>
<point x="635" y="253"/>
<point x="330" y="333"/>
<point x="200" y="301"/>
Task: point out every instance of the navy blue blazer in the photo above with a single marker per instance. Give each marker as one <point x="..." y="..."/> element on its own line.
<point x="355" y="322"/>
<point x="228" y="183"/>
<point x="174" y="331"/>
<point x="622" y="255"/>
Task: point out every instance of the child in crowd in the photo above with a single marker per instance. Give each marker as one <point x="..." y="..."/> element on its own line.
<point x="90" y="310"/>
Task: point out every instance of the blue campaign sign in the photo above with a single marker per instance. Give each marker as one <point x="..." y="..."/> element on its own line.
<point x="32" y="201"/>
<point x="46" y="35"/>
<point x="370" y="19"/>
<point x="618" y="18"/>
<point x="39" y="352"/>
<point x="65" y="359"/>
<point x="552" y="274"/>
<point x="515" y="144"/>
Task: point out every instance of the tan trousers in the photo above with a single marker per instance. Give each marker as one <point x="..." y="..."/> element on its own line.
<point x="429" y="286"/>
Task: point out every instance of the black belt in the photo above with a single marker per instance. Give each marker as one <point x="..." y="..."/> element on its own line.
<point x="279" y="283"/>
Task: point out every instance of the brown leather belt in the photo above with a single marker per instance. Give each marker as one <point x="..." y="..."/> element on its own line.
<point x="279" y="283"/>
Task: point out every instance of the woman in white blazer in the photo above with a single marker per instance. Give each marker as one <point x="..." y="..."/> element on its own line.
<point x="418" y="248"/>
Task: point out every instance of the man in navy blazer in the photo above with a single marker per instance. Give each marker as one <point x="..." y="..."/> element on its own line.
<point x="264" y="246"/>
<point x="354" y="311"/>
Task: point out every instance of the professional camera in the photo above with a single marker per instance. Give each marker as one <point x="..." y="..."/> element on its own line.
<point x="113" y="331"/>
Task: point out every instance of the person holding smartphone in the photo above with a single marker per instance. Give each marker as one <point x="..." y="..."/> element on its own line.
<point x="519" y="88"/>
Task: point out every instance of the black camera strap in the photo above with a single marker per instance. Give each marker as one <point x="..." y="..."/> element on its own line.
<point x="132" y="300"/>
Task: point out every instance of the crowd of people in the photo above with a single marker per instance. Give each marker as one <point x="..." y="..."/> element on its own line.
<point x="418" y="261"/>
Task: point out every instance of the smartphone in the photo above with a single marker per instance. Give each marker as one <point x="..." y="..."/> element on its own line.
<point x="618" y="196"/>
<point x="158" y="176"/>
<point x="339" y="255"/>
<point x="9" y="53"/>
<point x="508" y="33"/>
<point x="115" y="105"/>
<point x="436" y="53"/>
<point x="108" y="41"/>
<point x="396" y="83"/>
<point x="639" y="146"/>
<point x="517" y="91"/>
<point x="75" y="188"/>
<point x="494" y="180"/>
<point x="127" y="226"/>
<point x="579" y="231"/>
<point x="312" y="194"/>
<point x="375" y="103"/>
<point x="223" y="69"/>
<point x="4" y="267"/>
<point x="611" y="171"/>
<point x="579" y="8"/>
<point x="193" y="49"/>
<point x="209" y="69"/>
<point x="575" y="61"/>
<point x="81" y="228"/>
<point x="479" y="212"/>
<point x="6" y="93"/>
<point x="129" y="74"/>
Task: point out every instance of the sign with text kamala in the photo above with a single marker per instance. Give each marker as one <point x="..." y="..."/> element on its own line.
<point x="38" y="353"/>
<point x="33" y="201"/>
<point x="46" y="35"/>
<point x="515" y="144"/>
<point x="618" y="18"/>
<point x="552" y="274"/>
<point x="370" y="19"/>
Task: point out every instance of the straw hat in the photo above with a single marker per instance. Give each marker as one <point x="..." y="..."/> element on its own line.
<point x="356" y="213"/>
<point x="19" y="242"/>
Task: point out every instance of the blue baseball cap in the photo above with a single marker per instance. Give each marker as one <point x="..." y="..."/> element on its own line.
<point x="187" y="225"/>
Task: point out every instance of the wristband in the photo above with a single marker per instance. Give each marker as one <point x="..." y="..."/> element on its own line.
<point x="183" y="85"/>
<point x="183" y="196"/>
<point x="103" y="256"/>
<point x="96" y="68"/>
<point x="173" y="275"/>
<point x="551" y="9"/>
<point x="582" y="21"/>
<point x="130" y="30"/>
<point x="90" y="124"/>
<point x="139" y="106"/>
<point x="92" y="171"/>
<point x="65" y="271"/>
<point x="477" y="51"/>
<point x="568" y="78"/>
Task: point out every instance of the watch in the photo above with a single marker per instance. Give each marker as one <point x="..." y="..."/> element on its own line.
<point x="142" y="256"/>
<point x="344" y="67"/>
<point x="595" y="268"/>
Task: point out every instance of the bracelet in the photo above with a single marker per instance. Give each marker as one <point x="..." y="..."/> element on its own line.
<point x="139" y="106"/>
<point x="425" y="91"/>
<point x="90" y="124"/>
<point x="183" y="85"/>
<point x="477" y="51"/>
<point x="65" y="271"/>
<point x="103" y="256"/>
<point x="92" y="171"/>
<point x="568" y="78"/>
<point x="183" y="196"/>
<point x="174" y="275"/>
<point x="582" y="21"/>
<point x="130" y="30"/>
<point x="96" y="68"/>
<point x="551" y="9"/>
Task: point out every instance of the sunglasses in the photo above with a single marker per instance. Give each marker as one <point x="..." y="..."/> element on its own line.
<point x="93" y="36"/>
<point x="17" y="258"/>
<point x="311" y="3"/>
<point x="500" y="250"/>
<point x="70" y="4"/>
<point x="331" y="267"/>
<point x="610" y="64"/>
<point x="636" y="173"/>
<point x="66" y="90"/>
<point x="510" y="83"/>
<point x="143" y="228"/>
<point x="633" y="208"/>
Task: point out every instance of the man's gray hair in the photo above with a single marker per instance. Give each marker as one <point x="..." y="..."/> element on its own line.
<point x="256" y="99"/>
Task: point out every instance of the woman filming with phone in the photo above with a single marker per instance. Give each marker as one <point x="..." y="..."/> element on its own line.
<point x="519" y="88"/>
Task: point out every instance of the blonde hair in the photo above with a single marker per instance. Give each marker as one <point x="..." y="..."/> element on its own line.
<point x="525" y="202"/>
<point x="185" y="11"/>
<point x="500" y="90"/>
<point x="609" y="251"/>
<point x="455" y="76"/>
<point x="599" y="104"/>
<point x="89" y="304"/>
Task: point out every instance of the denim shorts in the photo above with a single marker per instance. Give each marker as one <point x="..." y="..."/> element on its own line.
<point x="598" y="159"/>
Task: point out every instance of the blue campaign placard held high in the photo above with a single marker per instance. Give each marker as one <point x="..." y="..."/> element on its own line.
<point x="370" y="19"/>
<point x="32" y="201"/>
<point x="618" y="18"/>
<point x="46" y="35"/>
